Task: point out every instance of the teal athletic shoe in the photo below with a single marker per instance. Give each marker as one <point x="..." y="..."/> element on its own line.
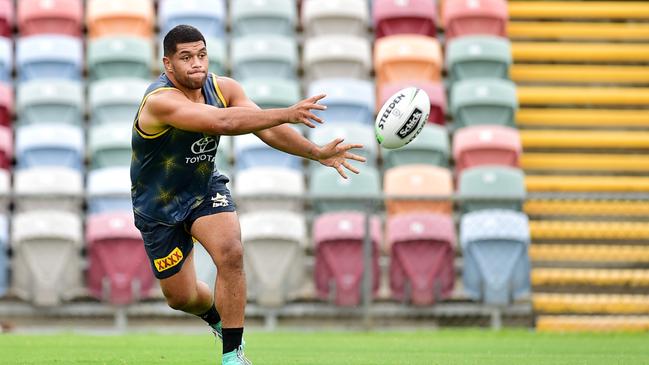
<point x="235" y="357"/>
<point x="217" y="330"/>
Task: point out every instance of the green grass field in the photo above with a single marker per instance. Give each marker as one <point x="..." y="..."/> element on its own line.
<point x="334" y="348"/>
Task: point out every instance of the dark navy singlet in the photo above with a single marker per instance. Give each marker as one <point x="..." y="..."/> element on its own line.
<point x="171" y="170"/>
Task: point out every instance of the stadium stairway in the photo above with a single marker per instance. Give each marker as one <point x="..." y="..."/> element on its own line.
<point x="582" y="75"/>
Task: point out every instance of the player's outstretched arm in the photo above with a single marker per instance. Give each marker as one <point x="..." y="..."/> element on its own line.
<point x="171" y="107"/>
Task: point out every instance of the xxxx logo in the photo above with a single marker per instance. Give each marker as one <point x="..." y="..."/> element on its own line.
<point x="169" y="261"/>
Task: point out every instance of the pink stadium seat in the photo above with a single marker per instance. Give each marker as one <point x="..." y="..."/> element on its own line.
<point x="50" y="16"/>
<point x="407" y="57"/>
<point x="434" y="89"/>
<point x="338" y="239"/>
<point x="6" y="18"/>
<point x="6" y="104"/>
<point x="486" y="145"/>
<point x="464" y="17"/>
<point x="6" y="147"/>
<point x="118" y="269"/>
<point x="404" y="17"/>
<point x="422" y="251"/>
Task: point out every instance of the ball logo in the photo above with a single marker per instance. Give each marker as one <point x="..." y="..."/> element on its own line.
<point x="204" y="145"/>
<point x="409" y="126"/>
<point x="387" y="112"/>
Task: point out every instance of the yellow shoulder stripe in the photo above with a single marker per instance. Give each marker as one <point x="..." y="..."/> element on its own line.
<point x="218" y="91"/>
<point x="149" y="136"/>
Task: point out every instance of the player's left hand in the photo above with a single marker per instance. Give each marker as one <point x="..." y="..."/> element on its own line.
<point x="334" y="154"/>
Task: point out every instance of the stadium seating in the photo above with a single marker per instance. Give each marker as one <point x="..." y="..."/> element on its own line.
<point x="422" y="252"/>
<point x="549" y="95"/>
<point x="562" y="117"/>
<point x="49" y="145"/>
<point x="589" y="253"/>
<point x="223" y="159"/>
<point x="6" y="104"/>
<point x="50" y="101"/>
<point x="467" y="17"/>
<point x="49" y="56"/>
<point x="578" y="31"/>
<point x="407" y="57"/>
<point x="115" y="100"/>
<point x="110" y="145"/>
<point x="579" y="52"/>
<point x="435" y="90"/>
<point x="478" y="57"/>
<point x="484" y="101"/>
<point x="331" y="56"/>
<point x="5" y="190"/>
<point x="208" y="16"/>
<point x="588" y="230"/>
<point x="495" y="250"/>
<point x="547" y="323"/>
<point x="486" y="145"/>
<point x="263" y="17"/>
<point x="344" y="17"/>
<point x="578" y="74"/>
<point x="6" y="59"/>
<point x="6" y="18"/>
<point x="591" y="303"/>
<point x="109" y="190"/>
<point x="490" y="187"/>
<point x="270" y="93"/>
<point x="274" y="242"/>
<point x="583" y="207"/>
<point x="46" y="263"/>
<point x="251" y="151"/>
<point x="351" y="133"/>
<point x="597" y="277"/>
<point x="585" y="139"/>
<point x="118" y="268"/>
<point x="326" y="182"/>
<point x="418" y="180"/>
<point x="392" y="17"/>
<point x="577" y="183"/>
<point x="348" y="100"/>
<point x="579" y="10"/>
<point x="4" y="259"/>
<point x="264" y="56"/>
<point x="338" y="239"/>
<point x="572" y="162"/>
<point x="48" y="187"/>
<point x="50" y="17"/>
<point x="6" y="147"/>
<point x="287" y="185"/>
<point x="430" y="147"/>
<point x="120" y="17"/>
<point x="111" y="57"/>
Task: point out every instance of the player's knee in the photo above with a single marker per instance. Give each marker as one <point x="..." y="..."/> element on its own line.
<point x="179" y="301"/>
<point x="232" y="256"/>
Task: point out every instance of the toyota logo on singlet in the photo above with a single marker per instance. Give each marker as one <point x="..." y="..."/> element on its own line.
<point x="204" y="145"/>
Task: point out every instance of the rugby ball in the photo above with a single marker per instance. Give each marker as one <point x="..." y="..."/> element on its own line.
<point x="402" y="117"/>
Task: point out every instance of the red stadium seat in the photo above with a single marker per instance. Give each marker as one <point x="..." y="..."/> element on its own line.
<point x="404" y="17"/>
<point x="6" y="18"/>
<point x="6" y="104"/>
<point x="422" y="251"/>
<point x="6" y="147"/>
<point x="118" y="269"/>
<point x="434" y="89"/>
<point x="486" y="145"/>
<point x="338" y="239"/>
<point x="464" y="17"/>
<point x="50" y="16"/>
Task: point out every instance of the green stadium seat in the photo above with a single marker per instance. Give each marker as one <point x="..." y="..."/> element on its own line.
<point x="484" y="101"/>
<point x="50" y="101"/>
<point x="478" y="57"/>
<point x="264" y="56"/>
<point x="491" y="187"/>
<point x="263" y="17"/>
<point x="110" y="145"/>
<point x="272" y="92"/>
<point x="326" y="181"/>
<point x="115" y="99"/>
<point x="430" y="147"/>
<point x="120" y="57"/>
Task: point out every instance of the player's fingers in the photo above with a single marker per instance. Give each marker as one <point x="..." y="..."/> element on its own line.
<point x="317" y="106"/>
<point x="308" y="123"/>
<point x="350" y="167"/>
<point x="355" y="157"/>
<point x="353" y="145"/>
<point x="314" y="118"/>
<point x="314" y="99"/>
<point x="341" y="171"/>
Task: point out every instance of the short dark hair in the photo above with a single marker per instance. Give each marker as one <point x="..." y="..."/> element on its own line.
<point x="182" y="33"/>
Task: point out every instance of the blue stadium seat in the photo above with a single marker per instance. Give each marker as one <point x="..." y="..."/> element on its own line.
<point x="496" y="262"/>
<point x="109" y="190"/>
<point x="49" y="56"/>
<point x="50" y="101"/>
<point x="264" y="56"/>
<point x="250" y="151"/>
<point x="115" y="99"/>
<point x="49" y="145"/>
<point x="272" y="92"/>
<point x="4" y="259"/>
<point x="348" y="100"/>
<point x="207" y="15"/>
<point x="6" y="59"/>
<point x="263" y="17"/>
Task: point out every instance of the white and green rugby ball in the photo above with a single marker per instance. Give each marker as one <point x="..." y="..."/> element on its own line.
<point x="402" y="117"/>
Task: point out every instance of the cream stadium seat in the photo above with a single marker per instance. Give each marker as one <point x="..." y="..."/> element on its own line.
<point x="337" y="56"/>
<point x="48" y="187"/>
<point x="345" y="17"/>
<point x="280" y="182"/>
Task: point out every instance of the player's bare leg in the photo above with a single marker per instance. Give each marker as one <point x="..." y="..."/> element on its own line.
<point x="220" y="234"/>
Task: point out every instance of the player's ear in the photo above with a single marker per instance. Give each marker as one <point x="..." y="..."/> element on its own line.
<point x="167" y="63"/>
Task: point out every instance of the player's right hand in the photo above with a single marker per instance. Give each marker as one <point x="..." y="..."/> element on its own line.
<point x="301" y="112"/>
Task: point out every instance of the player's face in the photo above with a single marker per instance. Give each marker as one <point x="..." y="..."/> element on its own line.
<point x="189" y="64"/>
